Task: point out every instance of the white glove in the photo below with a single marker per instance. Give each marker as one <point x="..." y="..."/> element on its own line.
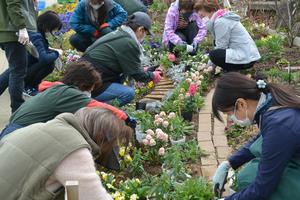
<point x="60" y="52"/>
<point x="189" y="48"/>
<point x="221" y="174"/>
<point x="23" y="36"/>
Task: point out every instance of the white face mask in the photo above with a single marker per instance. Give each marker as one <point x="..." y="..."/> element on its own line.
<point x="97" y="6"/>
<point x="244" y="122"/>
<point x="87" y="93"/>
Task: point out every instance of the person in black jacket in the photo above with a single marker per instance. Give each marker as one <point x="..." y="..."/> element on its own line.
<point x="41" y="65"/>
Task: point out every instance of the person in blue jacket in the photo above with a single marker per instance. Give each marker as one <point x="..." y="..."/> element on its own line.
<point x="42" y="64"/>
<point x="272" y="158"/>
<point x="93" y="19"/>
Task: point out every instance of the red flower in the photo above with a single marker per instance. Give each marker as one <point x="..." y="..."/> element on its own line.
<point x="193" y="89"/>
<point x="172" y="57"/>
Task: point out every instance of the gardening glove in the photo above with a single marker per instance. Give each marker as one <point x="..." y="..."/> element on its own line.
<point x="189" y="48"/>
<point x="105" y="29"/>
<point x="195" y="46"/>
<point x="220" y="176"/>
<point x="156" y="77"/>
<point x="96" y="34"/>
<point x="131" y="122"/>
<point x="23" y="36"/>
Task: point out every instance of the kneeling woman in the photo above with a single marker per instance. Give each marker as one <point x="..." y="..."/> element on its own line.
<point x="46" y="155"/>
<point x="234" y="47"/>
<point x="273" y="158"/>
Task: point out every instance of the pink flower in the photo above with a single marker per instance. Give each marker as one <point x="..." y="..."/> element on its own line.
<point x="172" y="57"/>
<point x="152" y="142"/>
<point x="148" y="137"/>
<point x="171" y="115"/>
<point x="145" y="142"/>
<point x="199" y="83"/>
<point x="165" y="137"/>
<point x="161" y="151"/>
<point x="193" y="89"/>
<point x="165" y="124"/>
<point x="210" y="68"/>
<point x="158" y="131"/>
<point x="157" y="116"/>
<point x="150" y="132"/>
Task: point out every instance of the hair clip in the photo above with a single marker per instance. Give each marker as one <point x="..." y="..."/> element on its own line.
<point x="261" y="84"/>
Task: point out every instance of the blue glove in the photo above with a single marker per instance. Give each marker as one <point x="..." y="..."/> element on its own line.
<point x="131" y="122"/>
<point x="221" y="175"/>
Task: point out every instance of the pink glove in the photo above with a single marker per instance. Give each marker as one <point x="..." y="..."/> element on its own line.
<point x="156" y="76"/>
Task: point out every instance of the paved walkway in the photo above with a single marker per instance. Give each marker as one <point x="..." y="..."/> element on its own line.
<point x="4" y="98"/>
<point x="212" y="139"/>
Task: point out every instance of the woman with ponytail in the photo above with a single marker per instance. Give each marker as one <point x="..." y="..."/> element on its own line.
<point x="272" y="158"/>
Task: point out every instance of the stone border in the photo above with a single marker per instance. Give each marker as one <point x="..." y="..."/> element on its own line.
<point x="211" y="139"/>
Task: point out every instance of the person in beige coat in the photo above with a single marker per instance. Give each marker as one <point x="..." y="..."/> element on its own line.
<point x="38" y="160"/>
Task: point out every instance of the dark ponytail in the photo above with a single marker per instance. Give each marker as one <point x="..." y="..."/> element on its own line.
<point x="233" y="85"/>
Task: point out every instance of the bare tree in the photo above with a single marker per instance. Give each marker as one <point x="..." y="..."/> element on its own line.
<point x="288" y="17"/>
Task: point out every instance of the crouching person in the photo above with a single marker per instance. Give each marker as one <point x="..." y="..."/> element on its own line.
<point x="46" y="155"/>
<point x="68" y="95"/>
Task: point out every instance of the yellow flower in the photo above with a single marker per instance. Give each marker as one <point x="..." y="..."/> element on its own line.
<point x="118" y="196"/>
<point x="128" y="158"/>
<point x="110" y="186"/>
<point x="150" y="85"/>
<point x="138" y="181"/>
<point x="122" y="152"/>
<point x="104" y="176"/>
<point x="134" y="197"/>
<point x="98" y="173"/>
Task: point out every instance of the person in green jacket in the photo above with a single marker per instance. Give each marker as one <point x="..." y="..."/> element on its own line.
<point x="117" y="55"/>
<point x="68" y="95"/>
<point x="37" y="161"/>
<point x="16" y="18"/>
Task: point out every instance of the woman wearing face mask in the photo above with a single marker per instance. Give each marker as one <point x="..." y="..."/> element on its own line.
<point x="117" y="55"/>
<point x="234" y="47"/>
<point x="41" y="65"/>
<point x="37" y="161"/>
<point x="93" y="19"/>
<point x="273" y="158"/>
<point x="183" y="26"/>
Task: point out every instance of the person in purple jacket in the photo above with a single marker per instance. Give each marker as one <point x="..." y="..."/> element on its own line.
<point x="183" y="26"/>
<point x="271" y="161"/>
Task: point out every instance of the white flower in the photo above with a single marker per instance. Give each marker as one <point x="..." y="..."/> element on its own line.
<point x="165" y="124"/>
<point x="161" y="151"/>
<point x="152" y="142"/>
<point x="162" y="114"/>
<point x="172" y="114"/>
<point x="150" y="132"/>
<point x="134" y="197"/>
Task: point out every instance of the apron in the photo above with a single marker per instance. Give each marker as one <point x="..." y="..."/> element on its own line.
<point x="289" y="185"/>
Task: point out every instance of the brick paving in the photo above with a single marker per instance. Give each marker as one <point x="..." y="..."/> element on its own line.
<point x="211" y="139"/>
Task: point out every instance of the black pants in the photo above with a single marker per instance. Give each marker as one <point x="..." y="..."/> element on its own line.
<point x="13" y="77"/>
<point x="218" y="57"/>
<point x="81" y="42"/>
<point x="36" y="73"/>
<point x="187" y="34"/>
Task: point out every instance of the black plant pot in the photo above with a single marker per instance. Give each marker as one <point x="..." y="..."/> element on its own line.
<point x="140" y="106"/>
<point x="188" y="116"/>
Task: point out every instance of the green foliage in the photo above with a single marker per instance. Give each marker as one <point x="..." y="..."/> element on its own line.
<point x="136" y="167"/>
<point x="133" y="187"/>
<point x="179" y="128"/>
<point x="145" y="118"/>
<point x="272" y="46"/>
<point x="194" y="189"/>
<point x="161" y="187"/>
<point x="54" y="76"/>
<point x="190" y="151"/>
<point x="235" y="131"/>
<point x="158" y="7"/>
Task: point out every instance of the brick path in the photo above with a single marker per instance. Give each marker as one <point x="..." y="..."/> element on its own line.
<point x="212" y="139"/>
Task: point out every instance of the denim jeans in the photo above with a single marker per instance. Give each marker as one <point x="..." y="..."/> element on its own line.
<point x="13" y="77"/>
<point x="122" y="93"/>
<point x="8" y="129"/>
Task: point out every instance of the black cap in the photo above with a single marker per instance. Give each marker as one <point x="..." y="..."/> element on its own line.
<point x="142" y="19"/>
